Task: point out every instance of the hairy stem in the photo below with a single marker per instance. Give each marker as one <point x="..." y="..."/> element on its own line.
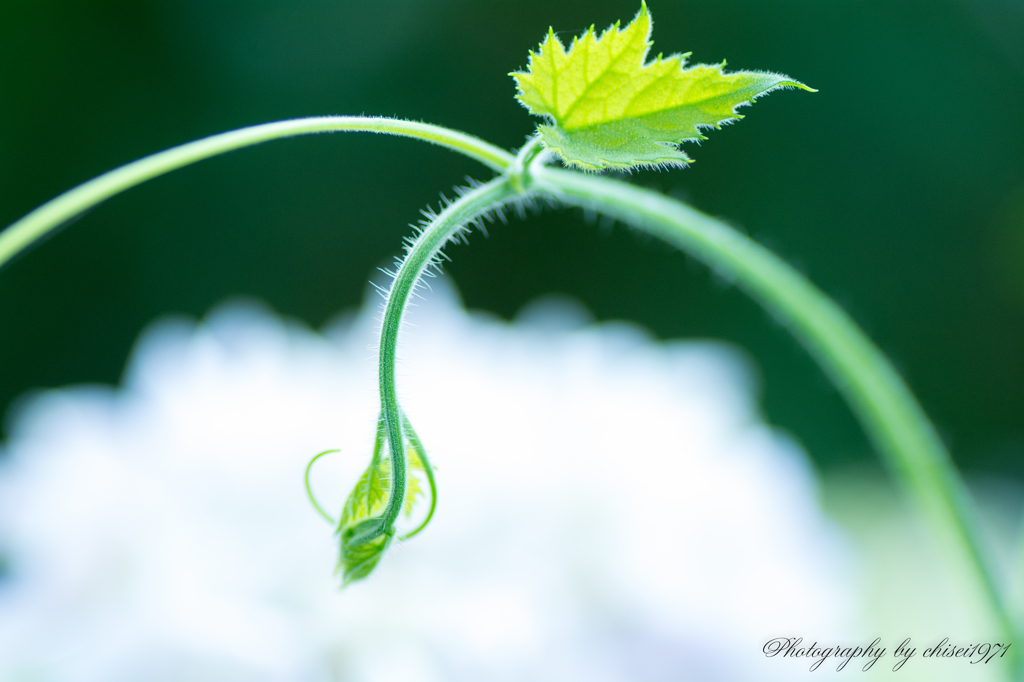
<point x="59" y="210"/>
<point x="421" y="254"/>
<point x="887" y="410"/>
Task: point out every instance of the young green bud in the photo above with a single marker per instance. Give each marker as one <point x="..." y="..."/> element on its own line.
<point x="364" y="533"/>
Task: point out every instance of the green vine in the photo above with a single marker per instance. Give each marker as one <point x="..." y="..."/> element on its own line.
<point x="54" y="213"/>
<point x="451" y="221"/>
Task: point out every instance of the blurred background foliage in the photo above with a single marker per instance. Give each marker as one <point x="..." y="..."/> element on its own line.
<point x="898" y="188"/>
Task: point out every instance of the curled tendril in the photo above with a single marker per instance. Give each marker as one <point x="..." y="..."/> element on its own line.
<point x="309" y="491"/>
<point x="428" y="470"/>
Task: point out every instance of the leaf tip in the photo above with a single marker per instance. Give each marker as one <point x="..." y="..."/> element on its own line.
<point x="787" y="82"/>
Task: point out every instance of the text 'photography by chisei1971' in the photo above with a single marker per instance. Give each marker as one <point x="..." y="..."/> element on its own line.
<point x="842" y="655"/>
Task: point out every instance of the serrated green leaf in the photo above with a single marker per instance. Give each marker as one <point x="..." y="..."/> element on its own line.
<point x="362" y="510"/>
<point x="608" y="109"/>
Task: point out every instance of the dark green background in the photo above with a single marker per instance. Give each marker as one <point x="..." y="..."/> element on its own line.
<point x="898" y="188"/>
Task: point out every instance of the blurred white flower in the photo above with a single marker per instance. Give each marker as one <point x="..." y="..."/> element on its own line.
<point x="610" y="509"/>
